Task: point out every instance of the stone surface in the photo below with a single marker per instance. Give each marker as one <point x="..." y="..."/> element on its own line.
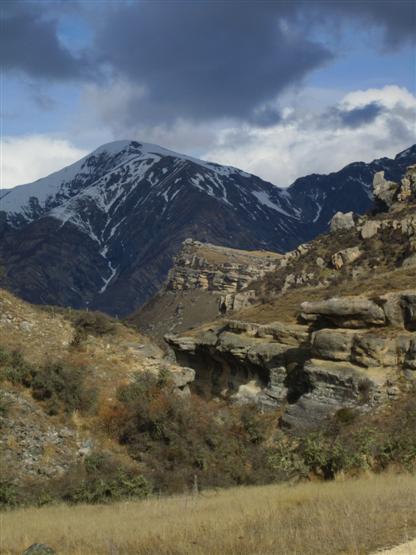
<point x="345" y="256"/>
<point x="345" y="312"/>
<point x="341" y="221"/>
<point x="410" y="261"/>
<point x="39" y="549"/>
<point x="369" y="229"/>
<point x="384" y="191"/>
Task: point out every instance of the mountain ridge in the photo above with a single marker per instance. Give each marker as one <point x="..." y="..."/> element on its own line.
<point x="103" y="231"/>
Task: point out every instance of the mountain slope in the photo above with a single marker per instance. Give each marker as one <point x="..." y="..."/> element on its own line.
<point x="102" y="232"/>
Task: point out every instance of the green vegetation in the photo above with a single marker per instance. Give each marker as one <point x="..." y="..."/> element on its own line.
<point x="60" y="387"/>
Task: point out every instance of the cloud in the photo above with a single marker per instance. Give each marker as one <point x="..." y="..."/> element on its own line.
<point x="27" y="158"/>
<point x="301" y="144"/>
<point x="29" y="43"/>
<point x="298" y="144"/>
<point x="354" y="117"/>
<point x="396" y="19"/>
<point x="206" y="60"/>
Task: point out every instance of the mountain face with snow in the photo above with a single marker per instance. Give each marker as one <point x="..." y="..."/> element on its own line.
<point x="102" y="232"/>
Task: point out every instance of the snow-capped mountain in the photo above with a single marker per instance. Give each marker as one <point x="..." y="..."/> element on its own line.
<point x="102" y="232"/>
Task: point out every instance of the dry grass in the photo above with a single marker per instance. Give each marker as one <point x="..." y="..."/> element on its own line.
<point x="351" y="517"/>
<point x="221" y="255"/>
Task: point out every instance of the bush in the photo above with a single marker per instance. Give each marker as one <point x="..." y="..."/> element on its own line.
<point x="14" y="368"/>
<point x="5" y="403"/>
<point x="92" y="323"/>
<point x="102" y="479"/>
<point x="58" y="384"/>
<point x="8" y="494"/>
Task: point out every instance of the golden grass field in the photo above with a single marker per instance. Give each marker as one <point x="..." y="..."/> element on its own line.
<point x="352" y="517"/>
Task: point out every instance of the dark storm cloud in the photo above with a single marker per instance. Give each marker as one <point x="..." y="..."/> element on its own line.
<point x="396" y="18"/>
<point x="360" y="116"/>
<point x="194" y="59"/>
<point x="266" y="116"/>
<point x="210" y="59"/>
<point x="29" y="43"/>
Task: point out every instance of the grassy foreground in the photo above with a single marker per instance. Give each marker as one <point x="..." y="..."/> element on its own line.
<point x="349" y="517"/>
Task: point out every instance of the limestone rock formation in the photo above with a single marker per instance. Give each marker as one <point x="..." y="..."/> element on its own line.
<point x="342" y="221"/>
<point x="205" y="266"/>
<point x="350" y="354"/>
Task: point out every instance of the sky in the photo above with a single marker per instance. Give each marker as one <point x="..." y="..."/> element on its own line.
<point x="280" y="89"/>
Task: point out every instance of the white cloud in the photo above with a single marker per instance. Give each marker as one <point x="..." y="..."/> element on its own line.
<point x="306" y="140"/>
<point x="307" y="143"/>
<point x="25" y="159"/>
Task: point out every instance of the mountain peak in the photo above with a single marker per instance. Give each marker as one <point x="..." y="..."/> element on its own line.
<point x="110" y="223"/>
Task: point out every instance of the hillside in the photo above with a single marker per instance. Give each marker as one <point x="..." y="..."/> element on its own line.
<point x="102" y="232"/>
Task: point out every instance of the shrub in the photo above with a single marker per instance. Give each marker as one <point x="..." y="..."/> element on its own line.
<point x="346" y="415"/>
<point x="103" y="479"/>
<point x="5" y="403"/>
<point x="14" y="368"/>
<point x="8" y="494"/>
<point x="92" y="323"/>
<point x="58" y="384"/>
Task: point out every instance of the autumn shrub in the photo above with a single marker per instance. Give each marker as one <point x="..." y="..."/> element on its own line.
<point x="91" y="323"/>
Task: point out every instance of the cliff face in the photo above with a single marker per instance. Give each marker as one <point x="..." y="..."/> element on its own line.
<point x="337" y="328"/>
<point x="205" y="282"/>
<point x="213" y="268"/>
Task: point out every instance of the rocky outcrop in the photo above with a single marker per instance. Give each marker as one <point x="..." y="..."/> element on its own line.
<point x="244" y="362"/>
<point x="206" y="266"/>
<point x="344" y="312"/>
<point x="341" y="221"/>
<point x="349" y="352"/>
<point x="345" y="256"/>
<point x="387" y="193"/>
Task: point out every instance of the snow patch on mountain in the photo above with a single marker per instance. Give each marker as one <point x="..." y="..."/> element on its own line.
<point x="264" y="199"/>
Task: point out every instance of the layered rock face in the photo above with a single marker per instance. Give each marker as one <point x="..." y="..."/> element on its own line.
<point x="220" y="270"/>
<point x="349" y="352"/>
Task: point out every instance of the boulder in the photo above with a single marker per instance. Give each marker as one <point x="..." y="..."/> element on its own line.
<point x="341" y="221"/>
<point x="369" y="229"/>
<point x="346" y="256"/>
<point x="345" y="312"/>
<point x="384" y="191"/>
<point x="408" y="302"/>
<point x="182" y="375"/>
<point x="332" y="344"/>
<point x="410" y="261"/>
<point x="39" y="549"/>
